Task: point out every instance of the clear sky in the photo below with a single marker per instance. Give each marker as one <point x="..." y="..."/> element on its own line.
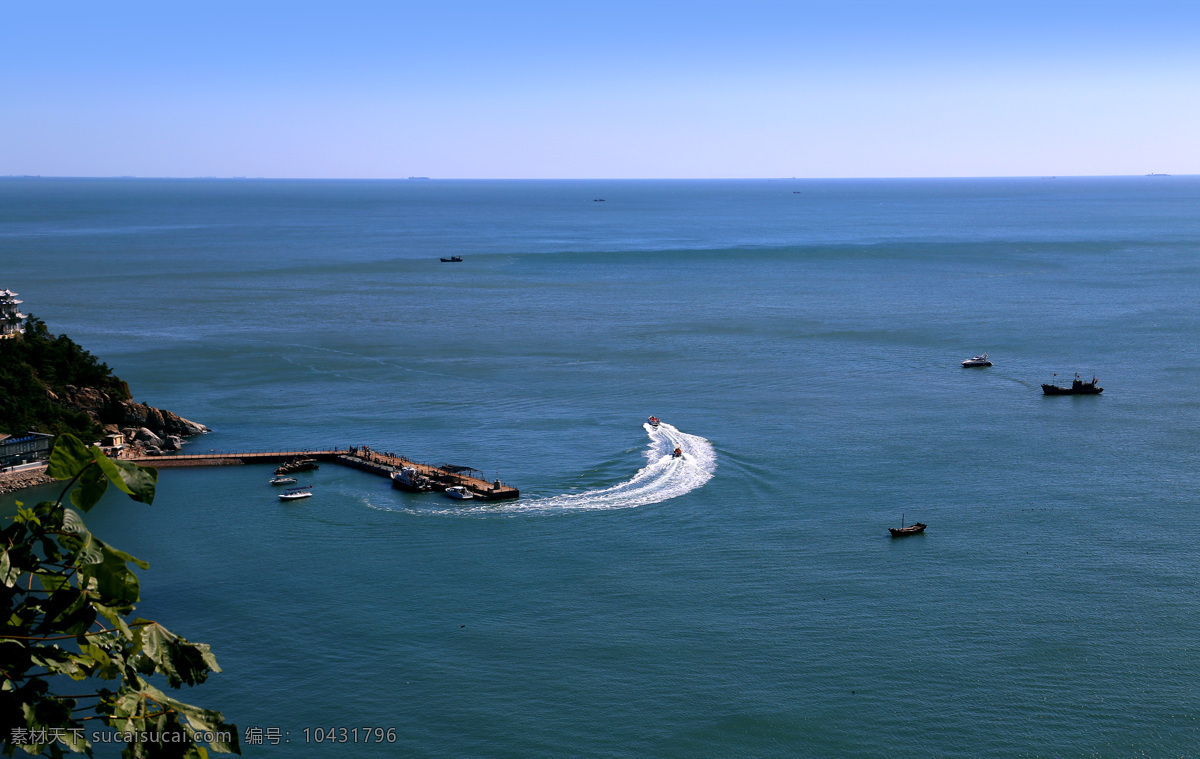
<point x="599" y="89"/>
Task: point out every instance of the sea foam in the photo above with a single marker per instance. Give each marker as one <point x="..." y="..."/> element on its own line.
<point x="664" y="477"/>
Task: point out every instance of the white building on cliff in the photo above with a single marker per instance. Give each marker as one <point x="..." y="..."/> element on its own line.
<point x="10" y="316"/>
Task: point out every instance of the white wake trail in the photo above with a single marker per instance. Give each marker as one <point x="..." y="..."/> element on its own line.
<point x="662" y="478"/>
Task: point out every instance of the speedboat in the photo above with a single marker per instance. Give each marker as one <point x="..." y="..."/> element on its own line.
<point x="459" y="492"/>
<point x="653" y="421"/>
<point x="295" y="494"/>
<point x="678" y="454"/>
<point x="980" y="360"/>
<point x="281" y="480"/>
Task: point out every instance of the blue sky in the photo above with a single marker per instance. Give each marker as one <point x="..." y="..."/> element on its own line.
<point x="612" y="89"/>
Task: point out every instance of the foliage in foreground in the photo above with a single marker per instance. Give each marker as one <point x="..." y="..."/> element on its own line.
<point x="67" y="595"/>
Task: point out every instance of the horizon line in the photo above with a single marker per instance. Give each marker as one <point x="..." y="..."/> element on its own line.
<point x="584" y="179"/>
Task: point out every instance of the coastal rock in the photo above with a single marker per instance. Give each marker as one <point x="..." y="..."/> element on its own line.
<point x="128" y="415"/>
<point x="172" y="443"/>
<point x="13" y="481"/>
<point x="144" y="435"/>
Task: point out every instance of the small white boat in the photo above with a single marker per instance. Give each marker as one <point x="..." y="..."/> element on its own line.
<point x="980" y="360"/>
<point x="295" y="494"/>
<point x="283" y="480"/>
<point x="653" y="421"/>
<point x="459" y="492"/>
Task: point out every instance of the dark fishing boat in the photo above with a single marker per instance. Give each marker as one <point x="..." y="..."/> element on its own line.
<point x="296" y="465"/>
<point x="409" y="479"/>
<point x="901" y="531"/>
<point x="452" y="260"/>
<point x="1078" y="387"/>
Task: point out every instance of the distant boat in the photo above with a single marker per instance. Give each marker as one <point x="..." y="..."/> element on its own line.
<point x="1152" y="174"/>
<point x="295" y="494"/>
<point x="654" y="421"/>
<point x="459" y="492"/>
<point x="980" y="360"/>
<point x="902" y="531"/>
<point x="281" y="480"/>
<point x="597" y="200"/>
<point x="1078" y="387"/>
<point x="452" y="260"/>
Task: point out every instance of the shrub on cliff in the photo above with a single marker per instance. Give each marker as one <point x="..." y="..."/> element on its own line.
<point x="35" y="369"/>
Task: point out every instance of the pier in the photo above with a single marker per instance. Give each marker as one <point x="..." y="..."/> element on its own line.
<point x="357" y="457"/>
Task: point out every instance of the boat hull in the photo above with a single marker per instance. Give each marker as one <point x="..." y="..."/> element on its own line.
<point x="1085" y="390"/>
<point x="408" y="487"/>
<point x="900" y="532"/>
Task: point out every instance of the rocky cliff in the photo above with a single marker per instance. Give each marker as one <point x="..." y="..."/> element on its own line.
<point x="125" y="415"/>
<point x="50" y="384"/>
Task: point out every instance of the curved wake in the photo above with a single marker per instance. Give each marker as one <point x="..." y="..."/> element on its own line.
<point x="663" y="478"/>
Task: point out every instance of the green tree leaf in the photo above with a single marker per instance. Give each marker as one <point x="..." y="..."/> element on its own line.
<point x="68" y="458"/>
<point x="87" y="589"/>
<point x="92" y="484"/>
<point x="140" y="480"/>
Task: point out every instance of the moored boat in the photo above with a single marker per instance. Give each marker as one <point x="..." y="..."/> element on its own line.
<point x="301" y="464"/>
<point x="980" y="360"/>
<point x="459" y="492"/>
<point x="1078" y="387"/>
<point x="411" y="480"/>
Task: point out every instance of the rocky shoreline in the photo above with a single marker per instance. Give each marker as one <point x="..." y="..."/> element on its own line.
<point x="146" y="428"/>
<point x="10" y="482"/>
<point x="127" y="417"/>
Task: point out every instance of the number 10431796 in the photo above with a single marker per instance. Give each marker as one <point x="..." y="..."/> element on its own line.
<point x="349" y="735"/>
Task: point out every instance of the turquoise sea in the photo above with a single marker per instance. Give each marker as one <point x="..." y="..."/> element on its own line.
<point x="801" y="339"/>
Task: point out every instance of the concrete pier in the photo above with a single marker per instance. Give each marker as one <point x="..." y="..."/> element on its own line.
<point x="363" y="458"/>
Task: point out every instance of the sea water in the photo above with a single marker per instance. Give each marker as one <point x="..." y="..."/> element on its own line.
<point x="801" y="341"/>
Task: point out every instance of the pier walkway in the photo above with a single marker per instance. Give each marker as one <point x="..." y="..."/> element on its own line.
<point x="358" y="457"/>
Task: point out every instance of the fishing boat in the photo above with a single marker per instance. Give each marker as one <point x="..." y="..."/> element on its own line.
<point x="281" y="480"/>
<point x="902" y="531"/>
<point x="980" y="360"/>
<point x="300" y="464"/>
<point x="459" y="492"/>
<point x="1078" y="387"/>
<point x="654" y="421"/>
<point x="412" y="481"/>
<point x="452" y="260"/>
<point x="295" y="494"/>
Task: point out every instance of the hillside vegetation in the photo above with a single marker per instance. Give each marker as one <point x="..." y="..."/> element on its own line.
<point x="35" y="372"/>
